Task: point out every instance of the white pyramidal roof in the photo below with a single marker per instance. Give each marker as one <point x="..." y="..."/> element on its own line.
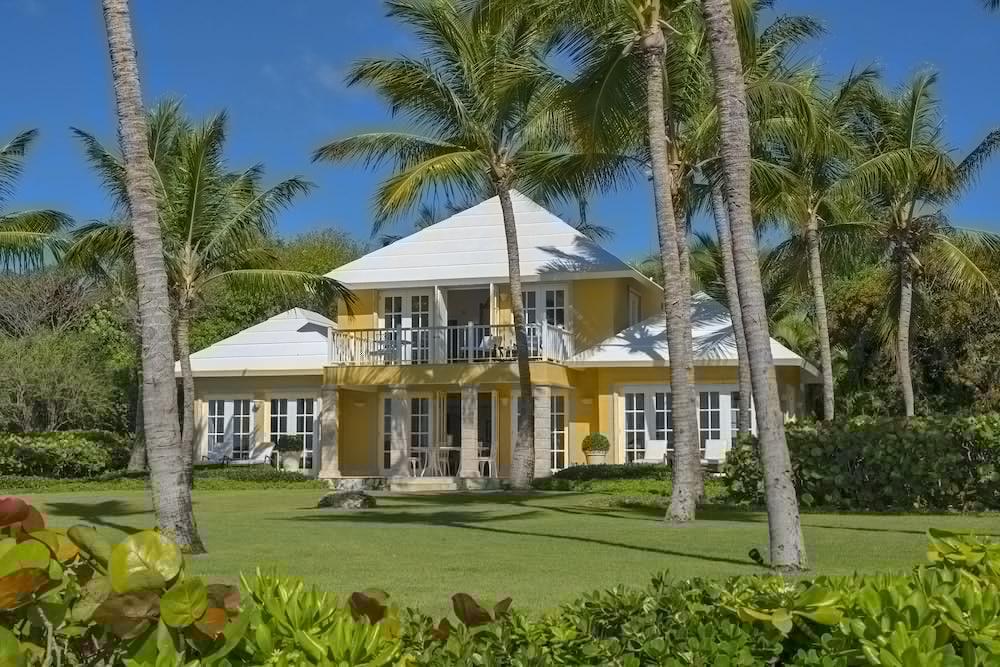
<point x="293" y="342"/>
<point x="470" y="247"/>
<point x="713" y="341"/>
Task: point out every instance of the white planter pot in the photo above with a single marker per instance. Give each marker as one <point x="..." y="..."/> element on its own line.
<point x="596" y="458"/>
<point x="290" y="461"/>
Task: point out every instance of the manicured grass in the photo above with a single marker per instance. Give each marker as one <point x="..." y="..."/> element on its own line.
<point x="541" y="549"/>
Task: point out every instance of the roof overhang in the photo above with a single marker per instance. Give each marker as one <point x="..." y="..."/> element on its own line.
<point x="499" y="279"/>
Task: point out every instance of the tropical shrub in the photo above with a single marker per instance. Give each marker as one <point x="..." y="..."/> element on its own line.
<point x="613" y="471"/>
<point x="71" y="598"/>
<point x="921" y="463"/>
<point x="62" y="454"/>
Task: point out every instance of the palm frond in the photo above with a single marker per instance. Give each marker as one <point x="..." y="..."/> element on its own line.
<point x="11" y="160"/>
<point x="270" y="281"/>
<point x="456" y="173"/>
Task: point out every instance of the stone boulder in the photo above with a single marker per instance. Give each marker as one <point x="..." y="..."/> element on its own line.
<point x="348" y="500"/>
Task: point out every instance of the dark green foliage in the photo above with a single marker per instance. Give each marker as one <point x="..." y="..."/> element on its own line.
<point x="886" y="464"/>
<point x="288" y="443"/>
<point x="596" y="442"/>
<point x="613" y="471"/>
<point x="210" y="477"/>
<point x="62" y="455"/>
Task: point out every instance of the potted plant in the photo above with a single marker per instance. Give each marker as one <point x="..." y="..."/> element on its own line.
<point x="595" y="447"/>
<point x="289" y="448"/>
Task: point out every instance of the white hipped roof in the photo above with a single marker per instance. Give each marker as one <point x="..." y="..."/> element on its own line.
<point x="470" y="248"/>
<point x="713" y="341"/>
<point x="291" y="343"/>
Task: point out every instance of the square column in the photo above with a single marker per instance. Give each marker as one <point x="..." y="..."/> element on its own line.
<point x="329" y="425"/>
<point x="470" y="432"/>
<point x="399" y="445"/>
<point x="543" y="431"/>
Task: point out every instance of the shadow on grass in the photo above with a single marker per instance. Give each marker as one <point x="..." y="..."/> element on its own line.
<point x="476" y="520"/>
<point x="97" y="513"/>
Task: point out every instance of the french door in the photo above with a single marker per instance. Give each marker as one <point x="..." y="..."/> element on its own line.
<point x="407" y="433"/>
<point x="296" y="416"/>
<point x="558" y="428"/>
<point x="406" y="321"/>
<point x="230" y="431"/>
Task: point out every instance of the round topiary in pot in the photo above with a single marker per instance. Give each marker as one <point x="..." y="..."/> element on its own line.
<point x="289" y="448"/>
<point x="595" y="447"/>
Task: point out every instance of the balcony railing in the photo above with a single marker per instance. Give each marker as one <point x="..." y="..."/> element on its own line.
<point x="446" y="345"/>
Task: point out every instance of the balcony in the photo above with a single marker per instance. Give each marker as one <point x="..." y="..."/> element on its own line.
<point x="473" y="343"/>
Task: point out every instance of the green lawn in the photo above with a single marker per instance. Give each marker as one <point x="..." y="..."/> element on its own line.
<point x="540" y="549"/>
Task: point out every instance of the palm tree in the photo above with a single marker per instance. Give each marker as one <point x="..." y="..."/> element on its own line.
<point x="168" y="474"/>
<point x="787" y="549"/>
<point x="486" y="119"/>
<point x="25" y="236"/>
<point x="815" y="153"/>
<point x="216" y="226"/>
<point x="909" y="177"/>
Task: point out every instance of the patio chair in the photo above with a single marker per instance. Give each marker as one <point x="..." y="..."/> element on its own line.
<point x="487" y="460"/>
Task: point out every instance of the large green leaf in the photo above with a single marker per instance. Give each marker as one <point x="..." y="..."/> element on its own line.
<point x="24" y="556"/>
<point x="184" y="603"/>
<point x="90" y="543"/>
<point x="144" y="560"/>
<point x="130" y="614"/>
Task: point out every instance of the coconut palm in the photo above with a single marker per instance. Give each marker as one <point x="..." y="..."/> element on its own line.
<point x="909" y="177"/>
<point x="25" y="236"/>
<point x="485" y="118"/>
<point x="168" y="474"/>
<point x="216" y="226"/>
<point x="815" y="154"/>
<point x="787" y="549"/>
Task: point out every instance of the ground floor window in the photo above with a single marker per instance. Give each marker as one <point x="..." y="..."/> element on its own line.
<point x="216" y="426"/>
<point x="663" y="418"/>
<point x="242" y="429"/>
<point x="295" y="416"/>
<point x="230" y="429"/>
<point x="420" y="432"/>
<point x="709" y="418"/>
<point x="635" y="427"/>
<point x="386" y="434"/>
<point x="557" y="419"/>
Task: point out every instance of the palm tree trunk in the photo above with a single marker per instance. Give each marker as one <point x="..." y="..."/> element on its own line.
<point x="684" y="296"/>
<point x="735" y="311"/>
<point x="786" y="545"/>
<point x="822" y="323"/>
<point x="686" y="463"/>
<point x="187" y="386"/>
<point x="171" y="493"/>
<point x="137" y="461"/>
<point x="523" y="457"/>
<point x="903" y="335"/>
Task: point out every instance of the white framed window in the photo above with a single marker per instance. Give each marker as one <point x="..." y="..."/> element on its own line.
<point x="734" y="412"/>
<point x="216" y="425"/>
<point x="295" y="416"/>
<point x="663" y="418"/>
<point x="709" y="417"/>
<point x="242" y="429"/>
<point x="386" y="433"/>
<point x="634" y="307"/>
<point x="420" y="431"/>
<point x="529" y="301"/>
<point x="555" y="307"/>
<point x="557" y="423"/>
<point x="420" y="320"/>
<point x="635" y="427"/>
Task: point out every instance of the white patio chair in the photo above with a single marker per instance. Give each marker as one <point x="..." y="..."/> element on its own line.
<point x="487" y="463"/>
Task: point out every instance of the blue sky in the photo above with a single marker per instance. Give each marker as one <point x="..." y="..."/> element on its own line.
<point x="277" y="66"/>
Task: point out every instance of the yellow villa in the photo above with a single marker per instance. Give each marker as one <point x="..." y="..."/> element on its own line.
<point x="415" y="386"/>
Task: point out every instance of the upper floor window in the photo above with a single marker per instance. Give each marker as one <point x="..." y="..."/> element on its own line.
<point x="634" y="308"/>
<point x="552" y="302"/>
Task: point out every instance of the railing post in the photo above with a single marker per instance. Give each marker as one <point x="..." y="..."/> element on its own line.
<point x="543" y="343"/>
<point x="469" y="337"/>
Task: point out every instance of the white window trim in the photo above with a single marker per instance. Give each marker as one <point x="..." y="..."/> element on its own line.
<point x="515" y="396"/>
<point x="227" y="443"/>
<point x="633" y="293"/>
<point x="539" y="290"/>
<point x="291" y="397"/>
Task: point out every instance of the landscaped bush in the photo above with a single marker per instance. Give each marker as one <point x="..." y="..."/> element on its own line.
<point x="209" y="477"/>
<point x="608" y="471"/>
<point x="63" y="454"/>
<point x="69" y="597"/>
<point x="921" y="463"/>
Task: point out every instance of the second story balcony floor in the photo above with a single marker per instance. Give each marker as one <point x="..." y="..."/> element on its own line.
<point x="458" y="344"/>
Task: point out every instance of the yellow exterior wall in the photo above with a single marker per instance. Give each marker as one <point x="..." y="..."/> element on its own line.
<point x="363" y="312"/>
<point x="358" y="442"/>
<point x="454" y="375"/>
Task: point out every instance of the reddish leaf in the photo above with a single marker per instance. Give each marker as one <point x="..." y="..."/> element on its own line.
<point x="224" y="596"/>
<point x="17" y="588"/>
<point x="442" y="631"/>
<point x="12" y="510"/>
<point x="212" y="622"/>
<point x="502" y="608"/>
<point x="469" y="611"/>
<point x="29" y="524"/>
<point x="369" y="606"/>
<point x="128" y="614"/>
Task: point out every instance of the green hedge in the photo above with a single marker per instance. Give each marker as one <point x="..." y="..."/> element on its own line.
<point x="63" y="454"/>
<point x="211" y="477"/>
<point x="608" y="471"/>
<point x="921" y="463"/>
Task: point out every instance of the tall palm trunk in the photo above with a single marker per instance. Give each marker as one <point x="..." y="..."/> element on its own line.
<point x="187" y="386"/>
<point x="523" y="457"/>
<point x="684" y="495"/>
<point x="786" y="545"/>
<point x="137" y="460"/>
<point x="171" y="494"/>
<point x="735" y="311"/>
<point x="903" y="334"/>
<point x="822" y="323"/>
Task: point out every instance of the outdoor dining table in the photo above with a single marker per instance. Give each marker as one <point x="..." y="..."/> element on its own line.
<point x="434" y="466"/>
